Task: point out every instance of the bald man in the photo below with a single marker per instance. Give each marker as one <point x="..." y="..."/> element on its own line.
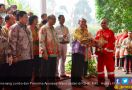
<point x="9" y="21"/>
<point x="104" y="50"/>
<point x="49" y="51"/>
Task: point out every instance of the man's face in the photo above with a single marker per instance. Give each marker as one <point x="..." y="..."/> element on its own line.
<point x="44" y="17"/>
<point x="1" y="20"/>
<point x="52" y="21"/>
<point x="14" y="7"/>
<point x="130" y="34"/>
<point x="62" y="20"/>
<point x="24" y="19"/>
<point x="2" y="9"/>
<point x="35" y="21"/>
<point x="104" y="24"/>
<point x="82" y="24"/>
<point x="12" y="20"/>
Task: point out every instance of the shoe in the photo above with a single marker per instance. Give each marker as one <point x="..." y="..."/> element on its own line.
<point x="57" y="78"/>
<point x="86" y="76"/>
<point x="79" y="85"/>
<point x="54" y="88"/>
<point x="64" y="76"/>
<point x="119" y="68"/>
<point x="99" y="85"/>
<point x="127" y="73"/>
<point x="110" y="88"/>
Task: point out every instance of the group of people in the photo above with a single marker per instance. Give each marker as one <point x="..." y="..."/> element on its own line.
<point x="123" y="53"/>
<point x="104" y="42"/>
<point x="30" y="49"/>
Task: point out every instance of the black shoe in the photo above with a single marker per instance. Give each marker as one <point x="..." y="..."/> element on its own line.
<point x="64" y="76"/>
<point x="54" y="88"/>
<point x="77" y="86"/>
<point x="127" y="72"/>
<point x="57" y="78"/>
<point x="99" y="85"/>
<point x="110" y="88"/>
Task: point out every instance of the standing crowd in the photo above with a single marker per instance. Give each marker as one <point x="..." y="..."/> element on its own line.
<point x="30" y="49"/>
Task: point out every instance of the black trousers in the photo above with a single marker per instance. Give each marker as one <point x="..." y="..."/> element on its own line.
<point x="128" y="63"/>
<point x="77" y="68"/>
<point x="122" y="62"/>
<point x="48" y="72"/>
<point x="36" y="68"/>
<point x="22" y="72"/>
<point x="85" y="69"/>
<point x="4" y="74"/>
<point x="117" y="62"/>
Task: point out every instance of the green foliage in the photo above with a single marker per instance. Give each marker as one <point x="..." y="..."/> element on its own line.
<point x="68" y="64"/>
<point x="82" y="9"/>
<point x="20" y="5"/>
<point x="118" y="12"/>
<point x="91" y="66"/>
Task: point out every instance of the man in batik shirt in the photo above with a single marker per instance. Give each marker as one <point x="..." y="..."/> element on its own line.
<point x="4" y="57"/>
<point x="49" y="50"/>
<point x="9" y="21"/>
<point x="20" y="39"/>
<point x="33" y="21"/>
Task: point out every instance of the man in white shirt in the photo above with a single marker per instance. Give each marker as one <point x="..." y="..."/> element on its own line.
<point x="63" y="38"/>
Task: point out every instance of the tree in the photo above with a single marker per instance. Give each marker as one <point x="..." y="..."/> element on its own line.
<point x="82" y="9"/>
<point x="118" y="12"/>
<point x="21" y="4"/>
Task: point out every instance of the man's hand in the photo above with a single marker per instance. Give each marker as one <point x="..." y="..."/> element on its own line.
<point x="45" y="56"/>
<point x="64" y="36"/>
<point x="10" y="60"/>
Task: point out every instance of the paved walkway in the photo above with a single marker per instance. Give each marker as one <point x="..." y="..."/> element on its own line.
<point x="91" y="81"/>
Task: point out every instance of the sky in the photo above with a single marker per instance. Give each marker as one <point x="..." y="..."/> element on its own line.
<point x="71" y="3"/>
<point x="35" y="5"/>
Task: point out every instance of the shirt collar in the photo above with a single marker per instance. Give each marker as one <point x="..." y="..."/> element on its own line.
<point x="22" y="25"/>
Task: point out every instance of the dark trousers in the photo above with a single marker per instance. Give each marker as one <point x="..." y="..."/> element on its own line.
<point x="4" y="74"/>
<point x="36" y="68"/>
<point x="128" y="63"/>
<point x="22" y="72"/>
<point x="77" y="68"/>
<point x="48" y="71"/>
<point x="122" y="62"/>
<point x="85" y="69"/>
<point x="117" y="62"/>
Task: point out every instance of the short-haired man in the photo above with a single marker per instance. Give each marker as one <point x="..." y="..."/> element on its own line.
<point x="2" y="8"/>
<point x="4" y="57"/>
<point x="9" y="21"/>
<point x="48" y="46"/>
<point x="43" y="20"/>
<point x="104" y="50"/>
<point x="64" y="38"/>
<point x="20" y="39"/>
